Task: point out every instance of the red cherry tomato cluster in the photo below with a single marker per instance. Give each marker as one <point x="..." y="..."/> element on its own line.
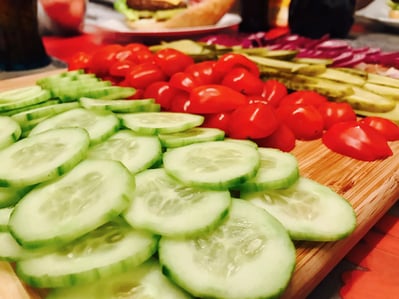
<point x="231" y="96"/>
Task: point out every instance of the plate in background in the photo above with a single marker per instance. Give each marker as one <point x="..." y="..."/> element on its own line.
<point x="378" y="11"/>
<point x="109" y="24"/>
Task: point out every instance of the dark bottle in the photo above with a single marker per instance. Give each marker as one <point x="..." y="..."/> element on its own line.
<point x="315" y="18"/>
<point x="254" y="14"/>
<point x="21" y="46"/>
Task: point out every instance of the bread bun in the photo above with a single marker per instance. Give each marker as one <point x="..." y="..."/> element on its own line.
<point x="204" y="13"/>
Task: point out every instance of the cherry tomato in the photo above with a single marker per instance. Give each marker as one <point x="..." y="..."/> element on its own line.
<point x="141" y="75"/>
<point x="386" y="127"/>
<point x="214" y="98"/>
<point x="252" y="121"/>
<point x="282" y="138"/>
<point x="103" y="58"/>
<point x="305" y="121"/>
<point x="274" y="91"/>
<point x="333" y="112"/>
<point x="181" y="102"/>
<point x="218" y="121"/>
<point x="120" y="68"/>
<point x="242" y="80"/>
<point x="161" y="92"/>
<point x="80" y="60"/>
<point x="229" y="61"/>
<point x="171" y="61"/>
<point x="136" y="47"/>
<point x="183" y="81"/>
<point x="204" y="72"/>
<point x="307" y="97"/>
<point x="136" y="55"/>
<point x="357" y="140"/>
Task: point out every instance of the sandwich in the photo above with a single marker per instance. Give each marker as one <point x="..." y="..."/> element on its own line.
<point x="169" y="14"/>
<point x="394" y="9"/>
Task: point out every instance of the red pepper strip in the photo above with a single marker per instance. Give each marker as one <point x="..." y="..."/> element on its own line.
<point x="374" y="259"/>
<point x="388" y="224"/>
<point x="369" y="284"/>
<point x="381" y="241"/>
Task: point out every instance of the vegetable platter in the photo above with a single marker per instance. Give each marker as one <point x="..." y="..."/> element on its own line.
<point x="371" y="187"/>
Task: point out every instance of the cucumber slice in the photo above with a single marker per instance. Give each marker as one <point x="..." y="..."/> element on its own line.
<point x="160" y="122"/>
<point x="91" y="194"/>
<point x="144" y="281"/>
<point x="119" y="106"/>
<point x="19" y="93"/>
<point x="4" y="218"/>
<point x="308" y="210"/>
<point x="10" y="196"/>
<point x="249" y="256"/>
<point x="99" y="126"/>
<point x="165" y="207"/>
<point x="277" y="170"/>
<point x="11" y="251"/>
<point x="190" y="136"/>
<point x="109" y="250"/>
<point x="45" y="111"/>
<point x="10" y="131"/>
<point x="34" y="98"/>
<point x="29" y="107"/>
<point x="42" y="157"/>
<point x="136" y="152"/>
<point x="212" y="164"/>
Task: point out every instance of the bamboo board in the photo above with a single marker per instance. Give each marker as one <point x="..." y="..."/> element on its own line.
<point x="371" y="187"/>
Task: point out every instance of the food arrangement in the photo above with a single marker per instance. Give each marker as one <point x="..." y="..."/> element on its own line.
<point x="237" y="89"/>
<point x="73" y="96"/>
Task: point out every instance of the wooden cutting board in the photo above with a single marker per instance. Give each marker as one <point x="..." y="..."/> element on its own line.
<point x="371" y="187"/>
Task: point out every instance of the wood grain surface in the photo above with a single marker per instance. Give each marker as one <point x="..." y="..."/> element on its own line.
<point x="371" y="187"/>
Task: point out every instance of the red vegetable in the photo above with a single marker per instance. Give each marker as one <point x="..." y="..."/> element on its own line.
<point x="333" y="112"/>
<point x="303" y="97"/>
<point x="141" y="75"/>
<point x="204" y="72"/>
<point x="217" y="120"/>
<point x="305" y="121"/>
<point x="171" y="61"/>
<point x="357" y="140"/>
<point x="161" y="92"/>
<point x="183" y="81"/>
<point x="181" y="102"/>
<point x="120" y="68"/>
<point x="231" y="60"/>
<point x="282" y="138"/>
<point x="80" y="60"/>
<point x="242" y="80"/>
<point x="256" y="120"/>
<point x="386" y="127"/>
<point x="274" y="91"/>
<point x="214" y="98"/>
<point x="103" y="58"/>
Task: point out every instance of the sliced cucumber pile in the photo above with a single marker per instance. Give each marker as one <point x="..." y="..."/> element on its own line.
<point x="98" y="197"/>
<point x="73" y="85"/>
